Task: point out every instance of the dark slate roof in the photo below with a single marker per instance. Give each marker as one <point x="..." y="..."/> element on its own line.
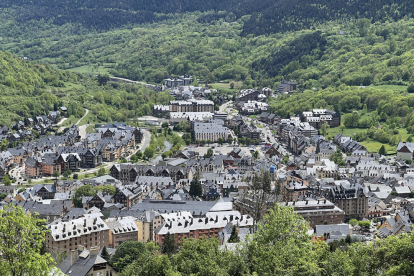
<point x="82" y="265"/>
<point x="196" y="208"/>
<point x="75" y="213"/>
<point x="31" y="161"/>
<point x="53" y="209"/>
<point x="50" y="188"/>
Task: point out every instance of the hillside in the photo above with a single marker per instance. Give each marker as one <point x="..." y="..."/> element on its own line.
<point x="269" y="16"/>
<point x="28" y="89"/>
<point x="350" y="53"/>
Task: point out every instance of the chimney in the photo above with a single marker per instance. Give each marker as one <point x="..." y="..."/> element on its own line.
<point x="73" y="256"/>
<point x="81" y="247"/>
<point x="94" y="250"/>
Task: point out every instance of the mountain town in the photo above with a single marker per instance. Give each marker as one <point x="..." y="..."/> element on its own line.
<point x="225" y="138"/>
<point x="238" y="163"/>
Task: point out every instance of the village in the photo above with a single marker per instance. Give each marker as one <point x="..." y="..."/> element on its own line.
<point x="208" y="187"/>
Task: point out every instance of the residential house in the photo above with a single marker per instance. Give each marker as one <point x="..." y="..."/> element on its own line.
<point x="69" y="161"/>
<point x="405" y="150"/>
<point x="81" y="262"/>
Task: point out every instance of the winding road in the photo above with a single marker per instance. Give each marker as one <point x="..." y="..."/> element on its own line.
<point x="81" y="128"/>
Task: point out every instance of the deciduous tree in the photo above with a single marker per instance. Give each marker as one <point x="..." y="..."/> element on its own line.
<point x="21" y="240"/>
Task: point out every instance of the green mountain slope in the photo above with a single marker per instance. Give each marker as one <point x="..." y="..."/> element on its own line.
<point x="269" y="16"/>
<point x="28" y="89"/>
<point x="350" y="53"/>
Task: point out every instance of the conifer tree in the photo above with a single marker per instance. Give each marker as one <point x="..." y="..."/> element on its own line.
<point x="234" y="237"/>
<point x="105" y="254"/>
<point x="195" y="188"/>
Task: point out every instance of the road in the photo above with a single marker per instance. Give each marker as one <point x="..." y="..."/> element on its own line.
<point x="80" y="130"/>
<point x="144" y="143"/>
<point x="86" y="113"/>
<point x="150" y="86"/>
<point x="16" y="174"/>
<point x="224" y="106"/>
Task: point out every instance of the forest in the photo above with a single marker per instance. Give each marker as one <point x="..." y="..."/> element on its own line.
<point x="354" y="53"/>
<point x="268" y="16"/>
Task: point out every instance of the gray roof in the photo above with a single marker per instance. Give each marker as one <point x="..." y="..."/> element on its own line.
<point x="75" y="213"/>
<point x="196" y="208"/>
<point x="82" y="265"/>
<point x="334" y="229"/>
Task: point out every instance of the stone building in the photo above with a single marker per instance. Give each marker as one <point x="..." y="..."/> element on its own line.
<point x="122" y="229"/>
<point x="210" y="131"/>
<point x="65" y="236"/>
<point x="192" y="105"/>
<point x="318" y="211"/>
<point x="350" y="198"/>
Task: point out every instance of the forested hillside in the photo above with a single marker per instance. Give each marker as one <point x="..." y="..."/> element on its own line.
<point x="28" y="89"/>
<point x="351" y="53"/>
<point x="331" y="52"/>
<point x="269" y="16"/>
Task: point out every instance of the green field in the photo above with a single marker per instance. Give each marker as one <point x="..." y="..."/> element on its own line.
<point x="371" y="145"/>
<point x="374" y="146"/>
<point x="226" y="84"/>
<point x="70" y="121"/>
<point x="399" y="88"/>
<point x="332" y="132"/>
<point x="89" y="119"/>
<point x="91" y="69"/>
<point x="90" y="129"/>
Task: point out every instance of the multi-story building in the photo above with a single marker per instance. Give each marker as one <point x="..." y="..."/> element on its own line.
<point x="350" y="198"/>
<point x="181" y="81"/>
<point x="122" y="229"/>
<point x="210" y="131"/>
<point x="317" y="117"/>
<point x="81" y="262"/>
<point x="65" y="236"/>
<point x="208" y="226"/>
<point x="125" y="197"/>
<point x="50" y="164"/>
<point x="33" y="167"/>
<point x="286" y="87"/>
<point x="69" y="161"/>
<point x="192" y="105"/>
<point x="317" y="211"/>
<point x="127" y="173"/>
<point x="295" y="189"/>
<point x="246" y="95"/>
